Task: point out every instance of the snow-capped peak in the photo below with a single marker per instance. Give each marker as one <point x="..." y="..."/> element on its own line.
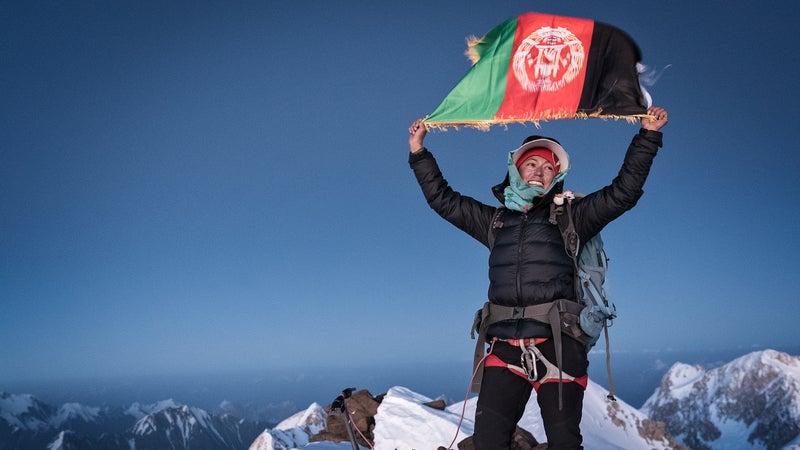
<point x="293" y="432"/>
<point x="751" y="402"/>
<point x="312" y="418"/>
<point x="138" y="411"/>
<point x="74" y="411"/>
<point x="24" y="411"/>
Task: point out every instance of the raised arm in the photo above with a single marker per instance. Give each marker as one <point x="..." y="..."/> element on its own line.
<point x="466" y="213"/>
<point x="598" y="209"/>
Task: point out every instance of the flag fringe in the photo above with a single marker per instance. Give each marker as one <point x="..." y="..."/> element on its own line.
<point x="485" y="125"/>
<point x="471" y="53"/>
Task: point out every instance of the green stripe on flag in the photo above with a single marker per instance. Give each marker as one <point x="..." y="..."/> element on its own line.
<point x="488" y="75"/>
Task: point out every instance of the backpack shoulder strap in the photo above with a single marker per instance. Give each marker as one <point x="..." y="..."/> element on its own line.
<point x="561" y="215"/>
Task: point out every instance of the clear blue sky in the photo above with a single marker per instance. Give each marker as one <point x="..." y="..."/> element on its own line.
<point x="212" y="186"/>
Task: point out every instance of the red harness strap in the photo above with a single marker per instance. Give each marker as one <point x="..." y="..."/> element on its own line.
<point x="527" y="342"/>
<point x="495" y="361"/>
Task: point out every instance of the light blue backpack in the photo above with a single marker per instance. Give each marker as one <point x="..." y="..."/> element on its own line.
<point x="591" y="264"/>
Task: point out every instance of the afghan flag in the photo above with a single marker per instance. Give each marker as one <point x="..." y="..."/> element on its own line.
<point x="542" y="67"/>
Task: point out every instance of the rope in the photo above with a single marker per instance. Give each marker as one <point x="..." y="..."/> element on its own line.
<point x="466" y="397"/>
<point x="369" y="444"/>
<point x="610" y="395"/>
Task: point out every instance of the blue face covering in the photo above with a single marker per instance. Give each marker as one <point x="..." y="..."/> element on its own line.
<point x="519" y="195"/>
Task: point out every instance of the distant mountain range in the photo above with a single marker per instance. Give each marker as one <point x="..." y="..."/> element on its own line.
<point x="752" y="402"/>
<point x="27" y="423"/>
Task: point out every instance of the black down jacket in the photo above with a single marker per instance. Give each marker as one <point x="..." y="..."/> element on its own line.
<point x="528" y="264"/>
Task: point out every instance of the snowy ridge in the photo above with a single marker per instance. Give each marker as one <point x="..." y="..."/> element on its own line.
<point x="403" y="422"/>
<point x="752" y="402"/>
<point x="181" y="424"/>
<point x="312" y="420"/>
<point x="138" y="411"/>
<point x="682" y="378"/>
<point x="24" y="412"/>
<point x="294" y="432"/>
<point x="58" y="443"/>
<point x="74" y="411"/>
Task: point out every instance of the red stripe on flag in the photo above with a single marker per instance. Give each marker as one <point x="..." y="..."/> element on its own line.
<point x="547" y="68"/>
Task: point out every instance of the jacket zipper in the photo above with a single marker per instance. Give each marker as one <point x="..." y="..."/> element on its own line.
<point x="519" y="258"/>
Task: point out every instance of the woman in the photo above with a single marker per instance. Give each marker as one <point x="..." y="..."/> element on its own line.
<point x="528" y="266"/>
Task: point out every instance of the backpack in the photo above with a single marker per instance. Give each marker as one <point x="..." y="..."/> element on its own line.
<point x="590" y="263"/>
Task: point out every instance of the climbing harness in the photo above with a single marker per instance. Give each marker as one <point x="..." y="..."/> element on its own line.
<point x="562" y="315"/>
<point x="528" y="367"/>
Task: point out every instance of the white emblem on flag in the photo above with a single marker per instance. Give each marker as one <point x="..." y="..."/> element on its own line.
<point x="548" y="59"/>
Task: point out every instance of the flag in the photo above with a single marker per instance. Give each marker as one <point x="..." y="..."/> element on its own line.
<point x="541" y="67"/>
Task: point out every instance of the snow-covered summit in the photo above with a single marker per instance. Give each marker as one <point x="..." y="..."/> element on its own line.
<point x="681" y="379"/>
<point x="404" y="422"/>
<point x="752" y="402"/>
<point x="24" y="411"/>
<point x="294" y="432"/>
<point x="74" y="411"/>
<point x="138" y="410"/>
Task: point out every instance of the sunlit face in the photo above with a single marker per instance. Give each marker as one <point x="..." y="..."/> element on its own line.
<point x="537" y="171"/>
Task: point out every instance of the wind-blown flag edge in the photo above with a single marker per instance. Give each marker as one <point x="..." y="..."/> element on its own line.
<point x="497" y="44"/>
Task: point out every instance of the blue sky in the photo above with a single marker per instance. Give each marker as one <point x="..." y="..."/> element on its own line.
<point x="223" y="186"/>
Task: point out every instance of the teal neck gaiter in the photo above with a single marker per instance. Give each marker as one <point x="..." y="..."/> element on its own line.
<point x="519" y="195"/>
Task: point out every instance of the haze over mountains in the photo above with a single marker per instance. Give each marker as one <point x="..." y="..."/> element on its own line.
<point x="750" y="402"/>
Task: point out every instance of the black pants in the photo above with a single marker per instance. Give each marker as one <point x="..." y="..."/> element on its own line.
<point x="504" y="395"/>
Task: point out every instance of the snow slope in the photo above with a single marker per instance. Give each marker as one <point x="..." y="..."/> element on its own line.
<point x="403" y="422"/>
